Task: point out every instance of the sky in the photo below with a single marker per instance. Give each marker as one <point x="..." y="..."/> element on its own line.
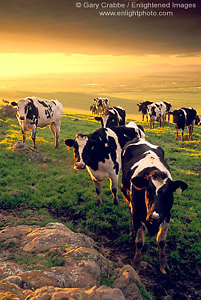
<point x="55" y="36"/>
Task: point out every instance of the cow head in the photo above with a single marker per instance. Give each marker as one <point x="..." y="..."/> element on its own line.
<point x="108" y="120"/>
<point x="198" y="121"/>
<point x="78" y="144"/>
<point x="158" y="189"/>
<point x="25" y="109"/>
<point x="178" y="116"/>
<point x="99" y="102"/>
<point x="140" y="106"/>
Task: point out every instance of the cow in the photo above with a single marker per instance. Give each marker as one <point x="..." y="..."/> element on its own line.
<point x="168" y="109"/>
<point x="143" y="108"/>
<point x="33" y="112"/>
<point x="148" y="188"/>
<point x="156" y="112"/>
<point x="101" y="104"/>
<point x="100" y="154"/>
<point x="114" y="116"/>
<point x="184" y="117"/>
<point x="198" y="120"/>
<point x="93" y="109"/>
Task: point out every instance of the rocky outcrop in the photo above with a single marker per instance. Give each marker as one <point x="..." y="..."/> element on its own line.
<point x="52" y="262"/>
<point x="31" y="153"/>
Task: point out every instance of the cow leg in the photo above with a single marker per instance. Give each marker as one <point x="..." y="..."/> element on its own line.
<point x="139" y="243"/>
<point x="55" y="132"/>
<point x="98" y="187"/>
<point x="182" y="134"/>
<point x="177" y="132"/>
<point x="190" y="132"/>
<point x="114" y="189"/>
<point x="161" y="238"/>
<point x="33" y="136"/>
<point x="24" y="136"/>
<point x="131" y="225"/>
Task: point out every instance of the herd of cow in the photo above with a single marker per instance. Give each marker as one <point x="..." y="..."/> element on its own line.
<point x="183" y="117"/>
<point x="147" y="184"/>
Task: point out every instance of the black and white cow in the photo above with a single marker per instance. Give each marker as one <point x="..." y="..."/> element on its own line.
<point x="156" y="112"/>
<point x="143" y="108"/>
<point x="198" y="120"/>
<point x="114" y="116"/>
<point x="100" y="154"/>
<point x="102" y="104"/>
<point x="184" y="117"/>
<point x="168" y="109"/>
<point x="147" y="188"/>
<point x="93" y="109"/>
<point x="33" y="112"/>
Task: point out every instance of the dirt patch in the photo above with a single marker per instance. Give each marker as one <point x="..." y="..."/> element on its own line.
<point x="162" y="287"/>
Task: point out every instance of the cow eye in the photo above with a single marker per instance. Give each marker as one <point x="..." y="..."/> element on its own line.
<point x="30" y="108"/>
<point x="92" y="148"/>
<point x="112" y="120"/>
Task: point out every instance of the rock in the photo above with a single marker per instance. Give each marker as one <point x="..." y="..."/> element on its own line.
<point x="52" y="235"/>
<point x="10" y="291"/>
<point x="75" y="267"/>
<point x="31" y="153"/>
<point x="89" y="254"/>
<point x="9" y="269"/>
<point x="127" y="281"/>
<point x="52" y="293"/>
<point x="107" y="293"/>
<point x="63" y="277"/>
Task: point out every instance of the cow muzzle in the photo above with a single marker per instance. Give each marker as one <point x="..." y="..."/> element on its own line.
<point x="79" y="166"/>
<point x="153" y="217"/>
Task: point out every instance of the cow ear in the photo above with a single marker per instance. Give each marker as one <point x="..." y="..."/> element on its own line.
<point x="14" y="103"/>
<point x="69" y="143"/>
<point x="139" y="182"/>
<point x="97" y="118"/>
<point x="179" y="186"/>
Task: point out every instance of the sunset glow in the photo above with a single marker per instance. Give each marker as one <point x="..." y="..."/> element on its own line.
<point x="43" y="63"/>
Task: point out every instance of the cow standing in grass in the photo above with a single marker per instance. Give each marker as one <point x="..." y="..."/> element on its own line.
<point x="156" y="112"/>
<point x="113" y="116"/>
<point x="33" y="112"/>
<point x="147" y="187"/>
<point x="143" y="108"/>
<point x="184" y="117"/>
<point x="93" y="109"/>
<point x="168" y="109"/>
<point x="100" y="154"/>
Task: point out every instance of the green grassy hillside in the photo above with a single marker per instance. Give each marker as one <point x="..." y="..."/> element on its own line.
<point x="55" y="187"/>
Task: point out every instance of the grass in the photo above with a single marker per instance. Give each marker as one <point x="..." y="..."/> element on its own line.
<point x="56" y="189"/>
